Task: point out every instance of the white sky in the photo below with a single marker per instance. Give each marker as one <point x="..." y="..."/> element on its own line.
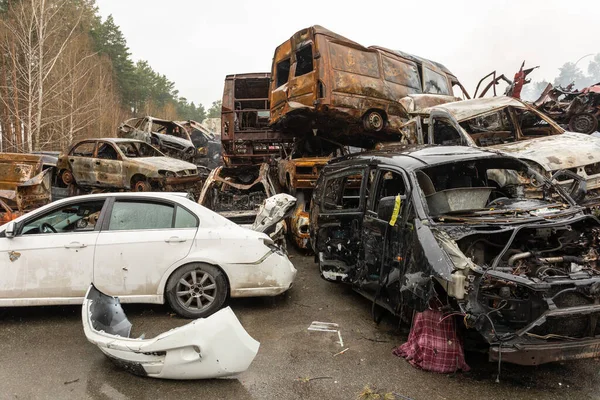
<point x="196" y="43"/>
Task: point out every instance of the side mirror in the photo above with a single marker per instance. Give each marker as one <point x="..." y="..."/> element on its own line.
<point x="385" y="208"/>
<point x="11" y="230"/>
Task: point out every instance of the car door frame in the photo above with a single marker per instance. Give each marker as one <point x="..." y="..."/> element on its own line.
<point x="372" y="224"/>
<point x="78" y="162"/>
<point x="113" y="179"/>
<point x="323" y="217"/>
<point x="437" y="114"/>
<point x="158" y="296"/>
<point x="77" y="246"/>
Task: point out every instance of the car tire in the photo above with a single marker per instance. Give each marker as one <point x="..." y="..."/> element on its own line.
<point x="583" y="123"/>
<point x="67" y="178"/>
<point x="196" y="290"/>
<point x="374" y="121"/>
<point x="142" y="186"/>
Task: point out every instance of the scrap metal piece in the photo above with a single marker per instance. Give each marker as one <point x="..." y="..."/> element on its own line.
<point x="213" y="347"/>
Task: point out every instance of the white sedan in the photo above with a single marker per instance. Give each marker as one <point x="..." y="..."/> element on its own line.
<point x="142" y="247"/>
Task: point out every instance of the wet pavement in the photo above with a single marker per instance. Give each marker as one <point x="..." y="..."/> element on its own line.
<point x="44" y="354"/>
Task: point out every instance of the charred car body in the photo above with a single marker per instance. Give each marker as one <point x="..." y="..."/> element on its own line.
<point x="207" y="144"/>
<point x="245" y="133"/>
<point x="298" y="173"/>
<point x="321" y="80"/>
<point x="453" y="227"/>
<point x="25" y="183"/>
<point x="577" y="110"/>
<point x="124" y="164"/>
<point x="512" y="126"/>
<point x="169" y="136"/>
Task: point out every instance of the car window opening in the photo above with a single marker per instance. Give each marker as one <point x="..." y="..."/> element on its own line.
<point x="283" y="72"/>
<point x="304" y="60"/>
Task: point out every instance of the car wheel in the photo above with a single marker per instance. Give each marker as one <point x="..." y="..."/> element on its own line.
<point x="373" y="121"/>
<point x="141" y="186"/>
<point x="583" y="123"/>
<point x="67" y="177"/>
<point x="196" y="290"/>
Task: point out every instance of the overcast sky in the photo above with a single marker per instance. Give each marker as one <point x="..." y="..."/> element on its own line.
<point x="196" y="43"/>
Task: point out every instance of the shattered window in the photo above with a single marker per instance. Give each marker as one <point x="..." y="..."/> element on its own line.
<point x="107" y="152"/>
<point x="390" y="184"/>
<point x="127" y="215"/>
<point x="185" y="219"/>
<point x="304" y="60"/>
<point x="533" y="125"/>
<point x="445" y="134"/>
<point x="84" y="149"/>
<point x="79" y="217"/>
<point x="491" y="128"/>
<point x="283" y="72"/>
<point x="434" y="83"/>
<point x="402" y="73"/>
<point x="343" y="192"/>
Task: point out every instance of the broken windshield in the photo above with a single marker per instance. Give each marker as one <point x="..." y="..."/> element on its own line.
<point x="497" y="127"/>
<point x="494" y="187"/>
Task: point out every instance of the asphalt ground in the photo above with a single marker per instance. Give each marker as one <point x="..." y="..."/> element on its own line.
<point x="44" y="354"/>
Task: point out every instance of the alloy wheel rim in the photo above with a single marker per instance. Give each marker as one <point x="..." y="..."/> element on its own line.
<point x="196" y="290"/>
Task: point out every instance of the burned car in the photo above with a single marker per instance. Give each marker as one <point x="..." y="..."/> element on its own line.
<point x="322" y="80"/>
<point x="577" y="110"/>
<point x="514" y="127"/>
<point x="124" y="164"/>
<point x="169" y="136"/>
<point x="298" y="172"/>
<point x="207" y="144"/>
<point x="237" y="193"/>
<point x="25" y="183"/>
<point x="453" y="228"/>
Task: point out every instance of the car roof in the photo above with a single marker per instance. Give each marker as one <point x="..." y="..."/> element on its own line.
<point x="411" y="157"/>
<point x="468" y="109"/>
<point x="112" y="140"/>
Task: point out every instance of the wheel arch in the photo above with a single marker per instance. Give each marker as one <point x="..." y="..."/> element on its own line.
<point x="169" y="272"/>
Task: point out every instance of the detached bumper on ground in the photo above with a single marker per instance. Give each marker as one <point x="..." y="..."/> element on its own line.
<point x="212" y="347"/>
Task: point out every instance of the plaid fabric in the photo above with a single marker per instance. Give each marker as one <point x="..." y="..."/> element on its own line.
<point x="433" y="345"/>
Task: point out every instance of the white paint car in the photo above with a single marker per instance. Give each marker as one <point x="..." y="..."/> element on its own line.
<point x="142" y="247"/>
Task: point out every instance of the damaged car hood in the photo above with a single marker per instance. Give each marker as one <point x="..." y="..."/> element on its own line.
<point x="568" y="150"/>
<point x="273" y="210"/>
<point x="212" y="347"/>
<point x="173" y="139"/>
<point x="168" y="163"/>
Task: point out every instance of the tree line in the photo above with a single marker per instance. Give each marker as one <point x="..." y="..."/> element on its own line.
<point x="65" y="75"/>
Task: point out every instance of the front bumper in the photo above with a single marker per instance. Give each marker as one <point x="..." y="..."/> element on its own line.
<point x="212" y="347"/>
<point x="177" y="182"/>
<point x="536" y="354"/>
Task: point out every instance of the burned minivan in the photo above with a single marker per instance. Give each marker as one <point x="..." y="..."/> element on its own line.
<point x="471" y="232"/>
<point x="322" y="80"/>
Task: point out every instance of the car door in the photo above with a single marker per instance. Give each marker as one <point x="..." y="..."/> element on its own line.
<point x="52" y="254"/>
<point x="140" y="239"/>
<point x="302" y="85"/>
<point x="82" y="162"/>
<point x="446" y="131"/>
<point x="339" y="209"/>
<point x="381" y="229"/>
<point x="109" y="166"/>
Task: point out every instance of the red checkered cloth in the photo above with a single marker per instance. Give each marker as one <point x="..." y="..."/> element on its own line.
<point x="433" y="344"/>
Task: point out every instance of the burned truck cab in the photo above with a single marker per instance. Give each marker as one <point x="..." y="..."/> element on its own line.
<point x="457" y="229"/>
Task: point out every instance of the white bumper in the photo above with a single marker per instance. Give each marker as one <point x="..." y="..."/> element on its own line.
<point x="211" y="347"/>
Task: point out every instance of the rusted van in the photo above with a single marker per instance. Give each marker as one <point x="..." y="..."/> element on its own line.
<point x="245" y="133"/>
<point x="321" y="80"/>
